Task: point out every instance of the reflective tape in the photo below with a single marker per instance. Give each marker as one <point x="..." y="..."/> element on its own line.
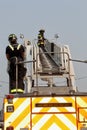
<point x="35" y="113"/>
<point x="12" y="48"/>
<point x="18" y="46"/>
<point x="17" y="90"/>
<point x="20" y="118"/>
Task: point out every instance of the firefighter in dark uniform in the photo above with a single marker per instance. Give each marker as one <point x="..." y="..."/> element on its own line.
<point x="15" y="51"/>
<point x="41" y="38"/>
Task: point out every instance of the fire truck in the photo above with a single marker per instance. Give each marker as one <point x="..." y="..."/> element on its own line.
<point x="51" y="99"/>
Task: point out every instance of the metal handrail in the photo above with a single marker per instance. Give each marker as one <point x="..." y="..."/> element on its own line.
<point x="50" y="53"/>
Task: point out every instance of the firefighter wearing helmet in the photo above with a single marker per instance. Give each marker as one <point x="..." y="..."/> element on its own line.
<point x="15" y="51"/>
<point x="41" y="38"/>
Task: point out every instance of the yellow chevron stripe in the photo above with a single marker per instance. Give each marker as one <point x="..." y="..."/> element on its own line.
<point x="20" y="105"/>
<point x="40" y="100"/>
<point x="71" y="124"/>
<point x="54" y="100"/>
<point x="82" y="115"/>
<point x="25" y="123"/>
<point x="22" y="115"/>
<point x="82" y="101"/>
<point x="16" y="104"/>
<point x="66" y="100"/>
<point x="36" y="100"/>
<point x="57" y="121"/>
<point x="38" y="118"/>
<point x="37" y="124"/>
<point x="6" y="114"/>
<point x="49" y="120"/>
<point x="71" y="117"/>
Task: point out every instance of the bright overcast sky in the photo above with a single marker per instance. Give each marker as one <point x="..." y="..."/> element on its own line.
<point x="67" y="18"/>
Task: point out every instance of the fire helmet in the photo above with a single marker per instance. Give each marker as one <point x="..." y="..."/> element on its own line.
<point x="12" y="38"/>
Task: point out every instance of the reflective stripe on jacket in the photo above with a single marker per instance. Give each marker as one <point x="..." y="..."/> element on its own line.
<point x="40" y="43"/>
<point x="12" y="48"/>
<point x="17" y="90"/>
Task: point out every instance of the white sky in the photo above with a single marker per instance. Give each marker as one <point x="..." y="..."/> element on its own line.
<point x="67" y="18"/>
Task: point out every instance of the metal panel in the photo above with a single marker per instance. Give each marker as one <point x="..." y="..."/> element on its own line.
<point x="55" y="101"/>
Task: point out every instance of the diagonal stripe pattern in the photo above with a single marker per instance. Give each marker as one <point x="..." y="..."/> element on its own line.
<point x="21" y="115"/>
<point x="27" y="114"/>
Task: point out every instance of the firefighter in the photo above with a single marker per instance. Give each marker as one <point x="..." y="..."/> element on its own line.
<point x="15" y="51"/>
<point x="41" y="38"/>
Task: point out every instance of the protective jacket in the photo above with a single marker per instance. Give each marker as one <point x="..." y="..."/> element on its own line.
<point x="15" y="51"/>
<point x="40" y="40"/>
